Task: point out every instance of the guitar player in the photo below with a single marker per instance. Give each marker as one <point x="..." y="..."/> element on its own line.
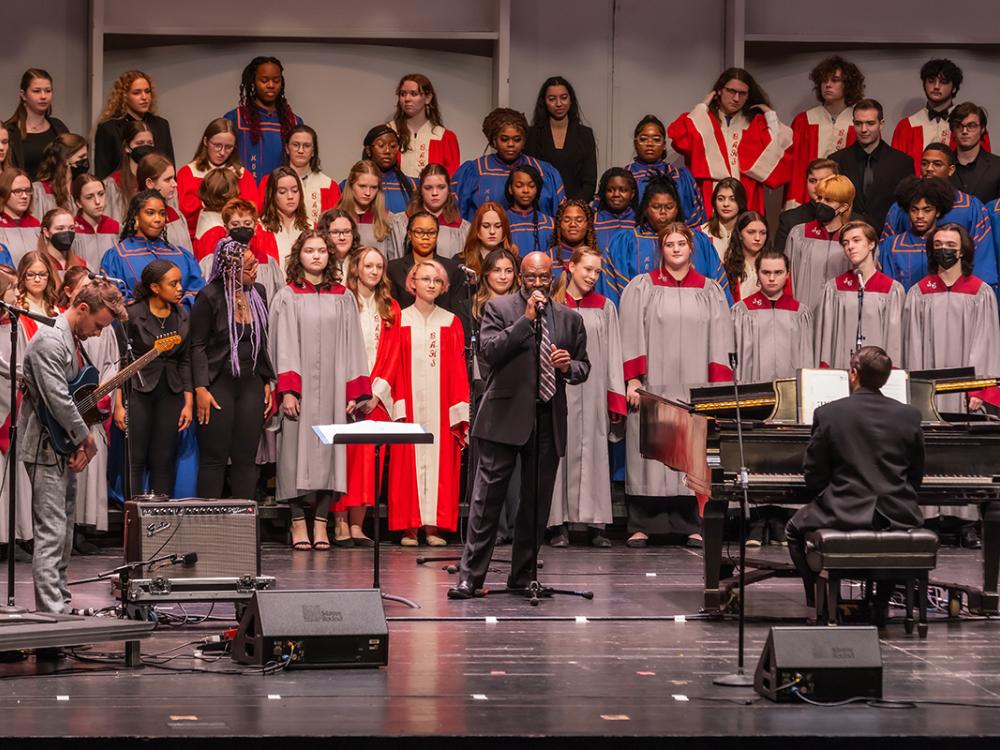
<point x="51" y="362"/>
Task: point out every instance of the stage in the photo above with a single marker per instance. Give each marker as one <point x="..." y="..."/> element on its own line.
<point x="630" y="667"/>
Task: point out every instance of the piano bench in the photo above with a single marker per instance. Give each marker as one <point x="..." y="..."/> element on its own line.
<point x="886" y="556"/>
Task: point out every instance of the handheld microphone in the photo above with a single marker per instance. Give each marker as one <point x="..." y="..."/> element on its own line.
<point x="95" y="276"/>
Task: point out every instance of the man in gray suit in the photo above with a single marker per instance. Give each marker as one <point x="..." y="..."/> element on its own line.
<point x="505" y="424"/>
<point x="51" y="361"/>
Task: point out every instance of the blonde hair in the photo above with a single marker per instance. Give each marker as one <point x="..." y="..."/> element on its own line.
<point x="115" y="107"/>
<point x="837" y="187"/>
<point x="411" y="277"/>
<point x="380" y="217"/>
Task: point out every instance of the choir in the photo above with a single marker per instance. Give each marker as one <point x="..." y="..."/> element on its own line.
<point x="303" y="299"/>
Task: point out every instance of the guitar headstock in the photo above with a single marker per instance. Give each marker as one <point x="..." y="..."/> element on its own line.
<point x="167" y="342"/>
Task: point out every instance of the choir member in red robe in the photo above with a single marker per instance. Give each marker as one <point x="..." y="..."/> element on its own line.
<point x="319" y="191"/>
<point x="380" y="326"/>
<point x="828" y="127"/>
<point x="18" y="227"/>
<point x="137" y="142"/>
<point x="62" y="160"/>
<point x="749" y="237"/>
<point x="218" y="188"/>
<point x="431" y="387"/>
<point x="217" y="148"/>
<point x="95" y="231"/>
<point x="423" y="138"/>
<point x="132" y="99"/>
<point x="238" y="219"/>
<point x="734" y="132"/>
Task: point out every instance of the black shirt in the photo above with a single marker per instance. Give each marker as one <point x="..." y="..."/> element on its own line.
<point x="108" y="142"/>
<point x="143" y="328"/>
<point x="457" y="300"/>
<point x="889" y="167"/>
<point x="27" y="153"/>
<point x="210" y="345"/>
<point x="576" y="161"/>
<point x="980" y="177"/>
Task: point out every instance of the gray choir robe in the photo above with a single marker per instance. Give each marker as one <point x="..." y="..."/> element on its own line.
<point x="91" y="243"/>
<point x="319" y="355"/>
<point x="816" y="257"/>
<point x="22" y="522"/>
<point x="675" y="335"/>
<point x="837" y="319"/>
<point x="367" y="234"/>
<point x="774" y="339"/>
<point x="43" y="201"/>
<point x="583" y="481"/>
<point x="450" y="242"/>
<point x="19" y="239"/>
<point x="954" y="327"/>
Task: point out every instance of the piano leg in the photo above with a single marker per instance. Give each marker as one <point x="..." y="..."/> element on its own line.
<point x="713" y="523"/>
<point x="991" y="557"/>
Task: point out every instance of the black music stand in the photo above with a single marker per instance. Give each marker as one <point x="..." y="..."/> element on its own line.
<point x="376" y="434"/>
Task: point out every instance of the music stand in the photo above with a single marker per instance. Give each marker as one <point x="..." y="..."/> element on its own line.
<point x="376" y="434"/>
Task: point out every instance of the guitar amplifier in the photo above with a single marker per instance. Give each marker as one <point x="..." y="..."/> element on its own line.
<point x="224" y="533"/>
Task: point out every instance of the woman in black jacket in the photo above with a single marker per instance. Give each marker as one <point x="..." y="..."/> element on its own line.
<point x="132" y="99"/>
<point x="162" y="400"/>
<point x="557" y="136"/>
<point x="32" y="127"/>
<point x="231" y="371"/>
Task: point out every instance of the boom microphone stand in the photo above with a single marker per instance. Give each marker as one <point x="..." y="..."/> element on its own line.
<point x="740" y="678"/>
<point x="859" y="337"/>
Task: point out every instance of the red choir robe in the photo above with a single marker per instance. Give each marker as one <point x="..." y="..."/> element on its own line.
<point x="743" y="149"/>
<point x="431" y="387"/>
<point x="815" y="135"/>
<point x="914" y="133"/>
<point x="361" y="458"/>
<point x="189" y="179"/>
<point x="262" y="243"/>
<point x="432" y="144"/>
<point x="320" y="194"/>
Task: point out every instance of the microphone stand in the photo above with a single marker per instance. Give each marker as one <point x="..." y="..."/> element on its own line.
<point x="859" y="336"/>
<point x="14" y="314"/>
<point x="740" y="678"/>
<point x="126" y="358"/>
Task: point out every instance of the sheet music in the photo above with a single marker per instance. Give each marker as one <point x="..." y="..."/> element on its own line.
<point x="898" y="386"/>
<point x="327" y="432"/>
<point x="818" y="387"/>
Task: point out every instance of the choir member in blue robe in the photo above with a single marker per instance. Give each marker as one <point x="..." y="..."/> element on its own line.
<point x="530" y="228"/>
<point x="263" y="118"/>
<point x="142" y="241"/>
<point x="616" y="206"/>
<point x="483" y="179"/>
<point x="650" y="141"/>
<point x="637" y="251"/>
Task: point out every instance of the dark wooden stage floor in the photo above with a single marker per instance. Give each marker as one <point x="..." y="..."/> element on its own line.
<point x="639" y="667"/>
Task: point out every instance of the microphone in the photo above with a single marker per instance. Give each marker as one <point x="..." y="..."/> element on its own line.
<point x="103" y="276"/>
<point x="467" y="271"/>
<point x="540" y="306"/>
<point x="732" y="361"/>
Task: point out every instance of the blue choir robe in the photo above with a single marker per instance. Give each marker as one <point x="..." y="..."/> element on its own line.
<point x="530" y="230"/>
<point x="483" y="179"/>
<point x="636" y="251"/>
<point x="268" y="153"/>
<point x="967" y="211"/>
<point x="5" y="256"/>
<point x="993" y="210"/>
<point x="126" y="259"/>
<point x="395" y="196"/>
<point x="692" y="204"/>
<point x="607" y="224"/>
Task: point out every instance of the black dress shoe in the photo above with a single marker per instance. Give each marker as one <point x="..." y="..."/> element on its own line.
<point x="969" y="538"/>
<point x="464" y="590"/>
<point x="599" y="540"/>
<point x="559" y="539"/>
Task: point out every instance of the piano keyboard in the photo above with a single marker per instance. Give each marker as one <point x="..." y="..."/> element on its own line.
<point x="932" y="480"/>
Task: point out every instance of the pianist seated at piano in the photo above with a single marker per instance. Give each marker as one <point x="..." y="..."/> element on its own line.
<point x="676" y="332"/>
<point x="950" y="320"/>
<point x="864" y="287"/>
<point x="774" y="339"/>
<point x="863" y="466"/>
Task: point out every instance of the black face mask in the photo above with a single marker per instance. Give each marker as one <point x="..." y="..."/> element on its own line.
<point x="946" y="258"/>
<point x="81" y="167"/>
<point x="825" y="214"/>
<point x="62" y="241"/>
<point x="243" y="235"/>
<point x="139" y="152"/>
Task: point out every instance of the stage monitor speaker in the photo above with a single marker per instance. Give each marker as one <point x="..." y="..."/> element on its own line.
<point x="224" y="533"/>
<point x="314" y="628"/>
<point x="825" y="664"/>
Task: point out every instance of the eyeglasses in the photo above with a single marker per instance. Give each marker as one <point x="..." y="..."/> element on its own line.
<point x="339" y="232"/>
<point x="36" y="275"/>
<point x="432" y="280"/>
<point x="542" y="277"/>
<point x="21" y="191"/>
<point x="970" y="126"/>
<point x="736" y="92"/>
<point x="222" y="148"/>
<point x="424" y="234"/>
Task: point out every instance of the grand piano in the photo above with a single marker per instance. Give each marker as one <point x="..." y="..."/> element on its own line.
<point x="699" y="438"/>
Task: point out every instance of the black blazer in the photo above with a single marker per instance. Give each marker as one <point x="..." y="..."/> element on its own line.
<point x="16" y="146"/>
<point x="792" y="218"/>
<point x="865" y="459"/>
<point x="455" y="300"/>
<point x="576" y="161"/>
<point x="143" y="328"/>
<point x="981" y="178"/>
<point x="889" y="165"/>
<point x="210" y="337"/>
<point x="108" y="142"/>
<point x="507" y="345"/>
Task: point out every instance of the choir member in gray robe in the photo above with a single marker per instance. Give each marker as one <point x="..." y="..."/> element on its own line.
<point x="19" y="229"/>
<point x="816" y="258"/>
<point x="676" y="333"/>
<point x="22" y="521"/>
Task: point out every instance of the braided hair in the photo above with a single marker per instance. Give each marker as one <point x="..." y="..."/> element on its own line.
<point x="227" y="268"/>
<point x="130" y="226"/>
<point x="508" y="191"/>
<point x="589" y="239"/>
<point x="366" y="153"/>
<point x="500" y="118"/>
<point x="248" y="97"/>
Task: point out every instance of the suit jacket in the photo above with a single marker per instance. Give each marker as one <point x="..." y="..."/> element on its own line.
<point x="107" y="152"/>
<point x="980" y="178"/>
<point x="576" y="161"/>
<point x="507" y="346"/>
<point x="50" y="362"/>
<point x="889" y="166"/>
<point x="143" y="329"/>
<point x="210" y="337"/>
<point x="864" y="464"/>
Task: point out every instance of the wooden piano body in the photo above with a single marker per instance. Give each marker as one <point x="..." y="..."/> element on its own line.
<point x="962" y="460"/>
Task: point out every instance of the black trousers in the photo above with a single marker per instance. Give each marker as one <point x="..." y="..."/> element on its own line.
<point x="492" y="474"/>
<point x="231" y="436"/>
<point x="152" y="431"/>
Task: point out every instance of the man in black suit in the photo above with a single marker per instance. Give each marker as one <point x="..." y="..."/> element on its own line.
<point x="872" y="165"/>
<point x="505" y="425"/>
<point x="864" y="463"/>
<point x="977" y="171"/>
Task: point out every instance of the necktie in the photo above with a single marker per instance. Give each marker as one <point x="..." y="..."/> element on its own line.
<point x="868" y="177"/>
<point x="546" y="373"/>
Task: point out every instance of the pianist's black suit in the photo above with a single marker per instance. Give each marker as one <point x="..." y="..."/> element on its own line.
<point x="864" y="465"/>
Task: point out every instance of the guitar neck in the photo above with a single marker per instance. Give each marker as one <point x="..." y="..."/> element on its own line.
<point x="105" y="388"/>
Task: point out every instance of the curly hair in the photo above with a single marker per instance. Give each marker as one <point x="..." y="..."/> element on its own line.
<point x="541" y="113"/>
<point x="500" y="118"/>
<point x="50" y="295"/>
<point x="432" y="110"/>
<point x="756" y="96"/>
<point x="383" y="290"/>
<point x="115" y="106"/>
<point x="854" y="79"/>
<point x="734" y="261"/>
<point x="945" y="69"/>
<point x="589" y="238"/>
<point x="449" y="212"/>
<point x="130" y="226"/>
<point x="936" y="191"/>
<point x="248" y="96"/>
<point x="602" y="188"/>
<point x="380" y="217"/>
<point x="739" y="193"/>
<point x="295" y="272"/>
<point x="54" y="167"/>
<point x="483" y="292"/>
<point x="271" y="218"/>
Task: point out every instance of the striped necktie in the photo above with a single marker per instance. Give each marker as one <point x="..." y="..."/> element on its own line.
<point x="546" y="373"/>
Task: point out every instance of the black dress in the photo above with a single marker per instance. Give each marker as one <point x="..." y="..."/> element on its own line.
<point x="576" y="160"/>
